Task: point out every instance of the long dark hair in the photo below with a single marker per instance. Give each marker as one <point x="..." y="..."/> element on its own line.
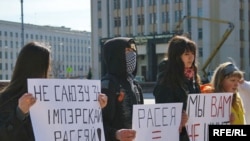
<point x="173" y="74"/>
<point x="33" y="61"/>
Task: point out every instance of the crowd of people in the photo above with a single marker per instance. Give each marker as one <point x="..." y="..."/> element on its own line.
<point x="177" y="78"/>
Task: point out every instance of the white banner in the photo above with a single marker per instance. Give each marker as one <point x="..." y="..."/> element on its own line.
<point x="205" y="109"/>
<point x="159" y="122"/>
<point x="66" y="110"/>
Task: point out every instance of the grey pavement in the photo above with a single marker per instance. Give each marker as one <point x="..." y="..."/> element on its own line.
<point x="148" y="98"/>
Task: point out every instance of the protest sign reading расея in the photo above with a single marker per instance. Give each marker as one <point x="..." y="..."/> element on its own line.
<point x="157" y="121"/>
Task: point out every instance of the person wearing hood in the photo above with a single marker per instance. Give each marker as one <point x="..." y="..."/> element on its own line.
<point x="120" y="61"/>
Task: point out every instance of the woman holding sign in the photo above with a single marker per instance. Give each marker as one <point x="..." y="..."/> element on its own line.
<point x="15" y="123"/>
<point x="178" y="77"/>
<point x="226" y="78"/>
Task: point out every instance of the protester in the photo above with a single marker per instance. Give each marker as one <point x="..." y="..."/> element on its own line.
<point x="244" y="91"/>
<point x="226" y="79"/>
<point x="178" y="77"/>
<point x="123" y="91"/>
<point x="15" y="102"/>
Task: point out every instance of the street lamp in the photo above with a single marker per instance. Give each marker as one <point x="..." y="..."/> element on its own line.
<point x="22" y="23"/>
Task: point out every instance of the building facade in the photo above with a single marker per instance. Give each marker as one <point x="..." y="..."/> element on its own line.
<point x="220" y="29"/>
<point x="71" y="50"/>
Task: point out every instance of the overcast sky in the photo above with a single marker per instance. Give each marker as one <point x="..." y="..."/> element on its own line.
<point x="74" y="14"/>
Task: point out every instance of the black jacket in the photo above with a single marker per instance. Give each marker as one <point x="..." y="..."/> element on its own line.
<point x="167" y="94"/>
<point x="122" y="94"/>
<point x="12" y="127"/>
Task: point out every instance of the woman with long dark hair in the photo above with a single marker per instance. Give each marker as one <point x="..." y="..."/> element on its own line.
<point x="178" y="77"/>
<point x="15" y="123"/>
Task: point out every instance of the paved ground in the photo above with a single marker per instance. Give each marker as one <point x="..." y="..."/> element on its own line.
<point x="148" y="98"/>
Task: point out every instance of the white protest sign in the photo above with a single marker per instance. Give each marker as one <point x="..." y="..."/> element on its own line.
<point x="244" y="91"/>
<point x="157" y="121"/>
<point x="66" y="110"/>
<point x="206" y="109"/>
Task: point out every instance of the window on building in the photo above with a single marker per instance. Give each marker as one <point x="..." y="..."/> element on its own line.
<point x="140" y="3"/>
<point x="152" y="17"/>
<point x="177" y="15"/>
<point x="117" y="21"/>
<point x="200" y="52"/>
<point x="5" y="33"/>
<point x="164" y="1"/>
<point x="248" y="37"/>
<point x="199" y="12"/>
<point x="127" y="3"/>
<point x="241" y="35"/>
<point x="16" y="44"/>
<point x="11" y="34"/>
<point x="6" y="55"/>
<point x="177" y="1"/>
<point x="99" y="23"/>
<point x="16" y="35"/>
<point x="11" y="44"/>
<point x="248" y="16"/>
<point x="1" y="43"/>
<point x="241" y="52"/>
<point x="200" y="33"/>
<point x="99" y="5"/>
<point x="116" y="4"/>
<point x="152" y="2"/>
<point x="241" y="15"/>
<point x="0" y="33"/>
<point x="130" y="20"/>
<point x="5" y="43"/>
<point x="164" y="17"/>
<point x="140" y="20"/>
<point x="126" y="20"/>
